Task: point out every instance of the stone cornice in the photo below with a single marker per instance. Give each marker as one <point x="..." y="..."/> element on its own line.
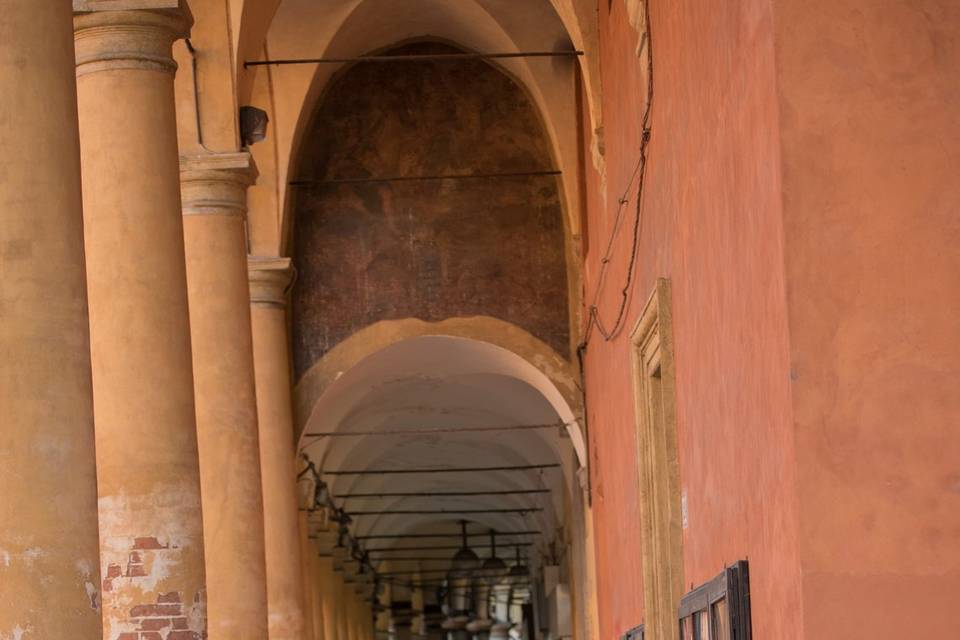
<point x="80" y="6"/>
<point x="326" y="540"/>
<point x="351" y="570"/>
<point x="216" y="183"/>
<point x="128" y="34"/>
<point x="340" y="556"/>
<point x="270" y="279"/>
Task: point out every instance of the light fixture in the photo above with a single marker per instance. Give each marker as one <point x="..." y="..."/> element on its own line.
<point x="493" y="567"/>
<point x="253" y="125"/>
<point x="518" y="572"/>
<point x="465" y="560"/>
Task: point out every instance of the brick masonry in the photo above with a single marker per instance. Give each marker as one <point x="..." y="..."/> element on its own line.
<point x="432" y="249"/>
<point x="166" y="618"/>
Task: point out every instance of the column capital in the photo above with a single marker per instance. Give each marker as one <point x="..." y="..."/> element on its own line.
<point x="270" y="280"/>
<point x="351" y="570"/>
<point x="364" y="585"/>
<point x="128" y="34"/>
<point x="326" y="540"/>
<point x="340" y="556"/>
<point x="216" y="183"/>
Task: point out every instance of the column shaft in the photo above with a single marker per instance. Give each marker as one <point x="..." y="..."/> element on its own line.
<point x="316" y="599"/>
<point x="214" y="188"/>
<point x="340" y="590"/>
<point x="269" y="279"/>
<point x="306" y="573"/>
<point x="327" y="596"/>
<point x="151" y="533"/>
<point x="326" y="539"/>
<point x="49" y="575"/>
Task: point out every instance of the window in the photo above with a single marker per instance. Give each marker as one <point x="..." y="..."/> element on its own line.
<point x="634" y="634"/>
<point x="719" y="609"/>
<point x="660" y="526"/>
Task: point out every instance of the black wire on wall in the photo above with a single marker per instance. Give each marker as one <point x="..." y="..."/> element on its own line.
<point x="594" y="321"/>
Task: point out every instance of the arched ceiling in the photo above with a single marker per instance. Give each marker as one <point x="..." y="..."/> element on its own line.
<point x="251" y="20"/>
<point x="349" y="28"/>
<point x="450" y="384"/>
<point x="429" y="381"/>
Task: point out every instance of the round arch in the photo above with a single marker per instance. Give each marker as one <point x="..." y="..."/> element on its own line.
<point x="491" y="346"/>
<point x="252" y="20"/>
<point x="350" y="28"/>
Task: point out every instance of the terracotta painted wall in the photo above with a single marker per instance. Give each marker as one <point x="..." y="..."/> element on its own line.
<point x="711" y="221"/>
<point x="431" y="249"/>
<point x="870" y="96"/>
<point x="802" y="195"/>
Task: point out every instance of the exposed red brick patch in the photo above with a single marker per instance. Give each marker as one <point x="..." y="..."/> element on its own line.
<point x="135" y="568"/>
<point x="113" y="571"/>
<point x="154" y="624"/>
<point x="155" y="610"/>
<point x="164" y="619"/>
<point x="148" y="543"/>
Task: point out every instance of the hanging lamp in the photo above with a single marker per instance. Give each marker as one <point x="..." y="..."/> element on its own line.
<point x="519" y="570"/>
<point x="465" y="561"/>
<point x="493" y="567"/>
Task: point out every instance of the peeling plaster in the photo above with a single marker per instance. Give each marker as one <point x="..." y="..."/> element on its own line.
<point x="28" y="557"/>
<point x="93" y="595"/>
<point x="16" y="633"/>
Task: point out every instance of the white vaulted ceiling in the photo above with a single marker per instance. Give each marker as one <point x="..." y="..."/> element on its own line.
<point x="443" y="383"/>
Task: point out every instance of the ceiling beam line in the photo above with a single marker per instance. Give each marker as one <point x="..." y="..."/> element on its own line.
<point x="439" y="512"/>
<point x="473" y="573"/>
<point x="440" y="494"/>
<point x="385" y="472"/>
<point x="415" y="57"/>
<point x="442" y="548"/>
<point x="434" y="430"/>
<point x="435" y="582"/>
<point x="300" y="182"/>
<point x="485" y="534"/>
<point x="445" y="559"/>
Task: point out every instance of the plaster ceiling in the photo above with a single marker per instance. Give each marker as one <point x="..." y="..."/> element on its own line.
<point x="347" y="28"/>
<point x="440" y="382"/>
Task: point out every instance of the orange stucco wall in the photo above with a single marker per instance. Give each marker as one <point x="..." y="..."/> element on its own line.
<point x="802" y="196"/>
<point x="711" y="221"/>
<point x="870" y="98"/>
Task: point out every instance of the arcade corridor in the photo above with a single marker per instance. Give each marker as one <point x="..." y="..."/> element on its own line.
<point x="479" y="319"/>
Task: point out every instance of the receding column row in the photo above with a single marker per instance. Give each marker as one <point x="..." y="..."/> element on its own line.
<point x="130" y="454"/>
<point x="341" y="598"/>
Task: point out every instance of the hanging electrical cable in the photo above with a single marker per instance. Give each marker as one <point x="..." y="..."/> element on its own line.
<point x="639" y="175"/>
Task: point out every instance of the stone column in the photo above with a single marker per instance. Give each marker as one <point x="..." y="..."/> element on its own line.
<point x="341" y="591"/>
<point x="269" y="280"/>
<point x="213" y="188"/>
<point x="316" y="596"/>
<point x="350" y="568"/>
<point x="366" y="605"/>
<point x="328" y="587"/>
<point x="49" y="575"/>
<point x="326" y="541"/>
<point x="306" y="573"/>
<point x="151" y="533"/>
